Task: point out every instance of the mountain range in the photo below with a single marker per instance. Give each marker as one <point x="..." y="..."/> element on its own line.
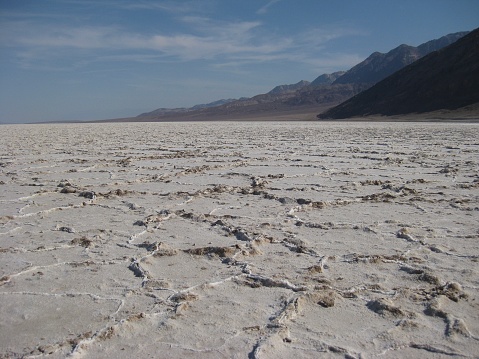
<point x="321" y="94"/>
<point x="447" y="79"/>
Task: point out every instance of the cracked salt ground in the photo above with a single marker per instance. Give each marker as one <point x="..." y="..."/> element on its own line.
<point x="257" y="240"/>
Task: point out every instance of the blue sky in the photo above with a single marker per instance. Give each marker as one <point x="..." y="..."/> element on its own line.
<point x="98" y="59"/>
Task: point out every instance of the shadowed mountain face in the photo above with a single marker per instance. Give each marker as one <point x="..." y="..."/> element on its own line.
<point x="445" y="79"/>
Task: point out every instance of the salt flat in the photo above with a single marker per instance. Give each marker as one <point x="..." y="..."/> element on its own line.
<point x="239" y="240"/>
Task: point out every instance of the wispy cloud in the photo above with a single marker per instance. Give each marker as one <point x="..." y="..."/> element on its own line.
<point x="224" y="42"/>
<point x="232" y="39"/>
<point x="208" y="26"/>
<point x="171" y="6"/>
<point x="264" y="9"/>
<point x="89" y="37"/>
<point x="174" y="7"/>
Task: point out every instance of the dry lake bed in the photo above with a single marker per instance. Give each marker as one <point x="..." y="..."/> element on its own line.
<point x="239" y="240"/>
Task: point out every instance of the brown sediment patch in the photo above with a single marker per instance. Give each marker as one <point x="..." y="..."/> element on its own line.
<point x="385" y="307"/>
<point x="315" y="269"/>
<point x="117" y="192"/>
<point x="325" y="298"/>
<point x="184" y="297"/>
<point x="82" y="241"/>
<point x="68" y="189"/>
<point x="219" y="251"/>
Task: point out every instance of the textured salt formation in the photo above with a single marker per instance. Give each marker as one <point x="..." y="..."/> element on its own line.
<point x="224" y="240"/>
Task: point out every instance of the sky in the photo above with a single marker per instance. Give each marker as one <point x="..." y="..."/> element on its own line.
<point x="75" y="60"/>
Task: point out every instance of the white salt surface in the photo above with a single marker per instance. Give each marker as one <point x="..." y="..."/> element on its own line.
<point x="239" y="240"/>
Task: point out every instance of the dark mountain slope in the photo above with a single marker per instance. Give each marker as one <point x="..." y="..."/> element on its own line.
<point x="444" y="79"/>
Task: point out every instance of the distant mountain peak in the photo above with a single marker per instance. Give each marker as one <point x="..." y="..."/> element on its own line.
<point x="327" y="79"/>
<point x="284" y="89"/>
<point x="165" y="111"/>
<point x="380" y="65"/>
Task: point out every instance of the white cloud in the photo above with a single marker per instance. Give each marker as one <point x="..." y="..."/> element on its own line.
<point x="80" y="37"/>
<point x="232" y="39"/>
<point x="264" y="9"/>
<point x="223" y="42"/>
<point x="175" y="7"/>
<point x="220" y="28"/>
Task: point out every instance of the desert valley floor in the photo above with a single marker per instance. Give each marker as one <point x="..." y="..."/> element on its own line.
<point x="239" y="240"/>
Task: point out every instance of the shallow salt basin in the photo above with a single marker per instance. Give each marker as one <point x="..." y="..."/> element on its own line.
<point x="235" y="240"/>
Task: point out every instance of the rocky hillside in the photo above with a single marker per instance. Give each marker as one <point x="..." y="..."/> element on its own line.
<point x="447" y="79"/>
<point x="327" y="79"/>
<point x="284" y="89"/>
